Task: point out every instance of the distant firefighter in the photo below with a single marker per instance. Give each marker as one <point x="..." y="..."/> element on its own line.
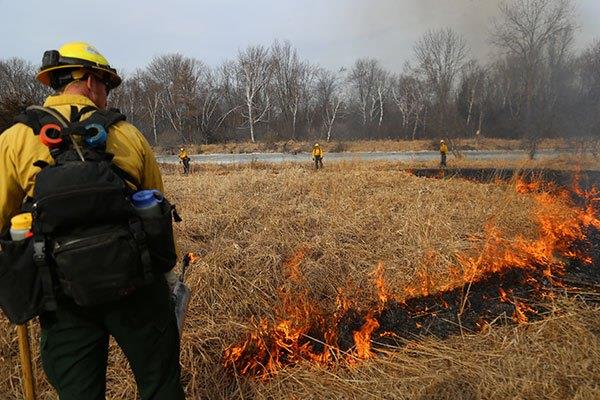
<point x="185" y="159"/>
<point x="443" y="152"/>
<point x="317" y="154"/>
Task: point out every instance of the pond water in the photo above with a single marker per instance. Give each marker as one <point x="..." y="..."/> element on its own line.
<point x="360" y="156"/>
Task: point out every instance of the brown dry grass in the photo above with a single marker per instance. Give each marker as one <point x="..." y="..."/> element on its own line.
<point x="245" y="221"/>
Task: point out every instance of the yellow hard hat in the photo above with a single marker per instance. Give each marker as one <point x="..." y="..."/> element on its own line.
<point x="59" y="66"/>
<point x="316" y="144"/>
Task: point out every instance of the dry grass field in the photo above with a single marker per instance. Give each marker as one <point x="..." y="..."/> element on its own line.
<point x="271" y="238"/>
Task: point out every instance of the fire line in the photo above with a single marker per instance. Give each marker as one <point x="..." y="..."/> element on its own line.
<point x="510" y="281"/>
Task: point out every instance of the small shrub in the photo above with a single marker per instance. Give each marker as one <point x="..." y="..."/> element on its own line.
<point x="339" y="147"/>
<point x="269" y="141"/>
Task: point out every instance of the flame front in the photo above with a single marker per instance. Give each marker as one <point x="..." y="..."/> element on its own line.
<point x="303" y="331"/>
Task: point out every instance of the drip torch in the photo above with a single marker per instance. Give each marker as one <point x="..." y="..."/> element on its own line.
<point x="180" y="292"/>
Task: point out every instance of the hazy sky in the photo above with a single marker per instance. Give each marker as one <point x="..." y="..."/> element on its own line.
<point x="332" y="33"/>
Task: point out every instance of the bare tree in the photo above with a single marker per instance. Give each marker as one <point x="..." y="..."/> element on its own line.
<point x="381" y="88"/>
<point x="588" y="71"/>
<point x="178" y="78"/>
<point x="328" y="93"/>
<point x="530" y="32"/>
<point x="472" y="95"/>
<point x="408" y="96"/>
<point x="291" y="78"/>
<point x="441" y="55"/>
<point x="369" y="83"/>
<point x="130" y="97"/>
<point x="213" y="110"/>
<point x="152" y="104"/>
<point x="18" y="89"/>
<point x="585" y="107"/>
<point x="254" y="70"/>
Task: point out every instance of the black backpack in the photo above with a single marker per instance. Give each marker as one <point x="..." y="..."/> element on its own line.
<point x="88" y="241"/>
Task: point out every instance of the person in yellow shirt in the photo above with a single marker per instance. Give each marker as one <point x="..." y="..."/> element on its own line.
<point x="185" y="159"/>
<point x="74" y="339"/>
<point x="317" y="154"/>
<point x="443" y="152"/>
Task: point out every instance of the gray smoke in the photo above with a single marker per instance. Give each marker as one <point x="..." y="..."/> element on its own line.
<point x="471" y="18"/>
<point x="412" y="18"/>
<point x="396" y="25"/>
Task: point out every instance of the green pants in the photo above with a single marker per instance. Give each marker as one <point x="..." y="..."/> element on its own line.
<point x="74" y="345"/>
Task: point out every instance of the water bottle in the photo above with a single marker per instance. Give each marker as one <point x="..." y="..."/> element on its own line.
<point x="20" y="226"/>
<point x="147" y="203"/>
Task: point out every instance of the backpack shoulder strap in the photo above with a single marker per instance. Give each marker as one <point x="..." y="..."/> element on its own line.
<point x="36" y="117"/>
<point x="106" y="118"/>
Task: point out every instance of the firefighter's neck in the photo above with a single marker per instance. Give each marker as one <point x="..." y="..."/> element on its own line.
<point x="90" y="88"/>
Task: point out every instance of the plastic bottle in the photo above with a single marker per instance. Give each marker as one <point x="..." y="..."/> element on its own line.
<point x="20" y="226"/>
<point x="147" y="203"/>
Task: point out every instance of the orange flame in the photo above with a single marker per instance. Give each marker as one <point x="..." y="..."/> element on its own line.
<point x="362" y="338"/>
<point x="382" y="290"/>
<point x="193" y="257"/>
<point x="503" y="295"/>
<point x="290" y="339"/>
<point x="292" y="264"/>
<point x="519" y="315"/>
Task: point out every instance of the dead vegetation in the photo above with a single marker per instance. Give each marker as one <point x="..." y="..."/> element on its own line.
<point x="244" y="222"/>
<point x="581" y="146"/>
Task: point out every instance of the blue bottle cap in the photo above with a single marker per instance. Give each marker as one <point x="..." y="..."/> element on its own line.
<point x="99" y="138"/>
<point x="146" y="198"/>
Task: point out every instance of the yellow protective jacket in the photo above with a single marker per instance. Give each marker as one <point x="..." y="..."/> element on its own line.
<point x="443" y="148"/>
<point x="183" y="155"/>
<point x="317" y="151"/>
<point x="20" y="148"/>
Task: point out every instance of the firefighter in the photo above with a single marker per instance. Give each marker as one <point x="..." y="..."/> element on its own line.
<point x="185" y="159"/>
<point x="74" y="339"/>
<point x="443" y="152"/>
<point x="317" y="154"/>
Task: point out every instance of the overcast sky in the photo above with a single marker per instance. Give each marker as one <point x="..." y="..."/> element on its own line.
<point x="332" y="33"/>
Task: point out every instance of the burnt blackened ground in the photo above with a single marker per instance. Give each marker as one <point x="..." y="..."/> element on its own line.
<point x="584" y="275"/>
<point x="463" y="309"/>
<point x="564" y="179"/>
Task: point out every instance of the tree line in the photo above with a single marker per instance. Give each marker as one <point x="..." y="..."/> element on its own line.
<point x="537" y="85"/>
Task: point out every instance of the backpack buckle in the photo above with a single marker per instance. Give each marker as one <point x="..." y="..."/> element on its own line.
<point x="39" y="253"/>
